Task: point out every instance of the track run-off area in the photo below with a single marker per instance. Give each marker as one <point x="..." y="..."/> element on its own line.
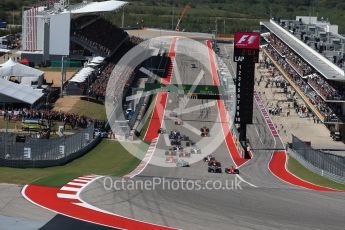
<point x="271" y="197"/>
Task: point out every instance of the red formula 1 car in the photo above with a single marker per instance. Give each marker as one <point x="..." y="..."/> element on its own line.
<point x="232" y="170"/>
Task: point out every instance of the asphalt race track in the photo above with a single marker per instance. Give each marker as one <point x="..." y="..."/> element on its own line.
<point x="64" y="222"/>
<point x="264" y="202"/>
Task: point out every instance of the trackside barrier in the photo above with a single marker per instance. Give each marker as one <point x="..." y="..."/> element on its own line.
<point x="324" y="164"/>
<point x="315" y="169"/>
<point x="218" y="81"/>
<point x="40" y="153"/>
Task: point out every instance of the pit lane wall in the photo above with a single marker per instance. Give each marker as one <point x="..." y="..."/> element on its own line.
<point x="226" y="81"/>
<point x="234" y="135"/>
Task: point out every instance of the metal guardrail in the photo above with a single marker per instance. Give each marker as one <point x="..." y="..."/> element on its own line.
<point x="315" y="169"/>
<point x="324" y="164"/>
<point x="36" y="152"/>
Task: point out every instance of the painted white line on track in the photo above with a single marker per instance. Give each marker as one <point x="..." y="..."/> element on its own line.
<point x="76" y="184"/>
<point x="86" y="177"/>
<point x="243" y="180"/>
<point x="67" y="196"/>
<point x="80" y="180"/>
<point x="66" y="188"/>
<point x="256" y="130"/>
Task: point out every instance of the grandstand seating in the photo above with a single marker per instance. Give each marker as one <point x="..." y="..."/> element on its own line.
<point x="102" y="38"/>
<point x="98" y="88"/>
<point x="83" y="21"/>
<point x="313" y="97"/>
<point x="100" y="35"/>
<point x="318" y="83"/>
<point x="295" y="61"/>
<point x="324" y="88"/>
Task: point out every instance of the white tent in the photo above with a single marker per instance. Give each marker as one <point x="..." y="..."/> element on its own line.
<point x="24" y="74"/>
<point x="97" y="60"/>
<point x="82" y="75"/>
<point x="11" y="93"/>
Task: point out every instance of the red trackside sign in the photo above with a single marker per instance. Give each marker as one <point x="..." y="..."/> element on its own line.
<point x="247" y="40"/>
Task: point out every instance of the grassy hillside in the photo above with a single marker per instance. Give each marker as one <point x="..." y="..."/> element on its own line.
<point x="237" y="15"/>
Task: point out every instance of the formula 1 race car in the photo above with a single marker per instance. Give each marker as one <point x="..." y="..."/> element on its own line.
<point x="205" y="132"/>
<point x="170" y="159"/>
<point x="214" y="166"/>
<point x="178" y="122"/>
<point x="195" y="150"/>
<point x="170" y="152"/>
<point x="208" y="158"/>
<point x="174" y="135"/>
<point x="184" y="154"/>
<point x="162" y="131"/>
<point x="232" y="170"/>
<point x="182" y="163"/>
<point x="173" y="114"/>
<point x="175" y="142"/>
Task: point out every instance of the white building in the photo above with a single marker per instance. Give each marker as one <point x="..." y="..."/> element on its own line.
<point x="46" y="30"/>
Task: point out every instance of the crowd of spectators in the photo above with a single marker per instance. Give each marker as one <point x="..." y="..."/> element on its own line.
<point x="324" y="88"/>
<point x="135" y="40"/>
<point x="74" y="120"/>
<point x="301" y="67"/>
<point x="103" y="35"/>
<point x="100" y="47"/>
<point x="99" y="86"/>
<point x="313" y="97"/>
<point x="291" y="57"/>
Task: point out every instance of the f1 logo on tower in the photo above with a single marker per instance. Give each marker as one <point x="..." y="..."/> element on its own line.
<point x="246" y="40"/>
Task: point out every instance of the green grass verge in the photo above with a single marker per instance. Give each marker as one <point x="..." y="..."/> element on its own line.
<point x="299" y="170"/>
<point x="90" y="109"/>
<point x="107" y="158"/>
